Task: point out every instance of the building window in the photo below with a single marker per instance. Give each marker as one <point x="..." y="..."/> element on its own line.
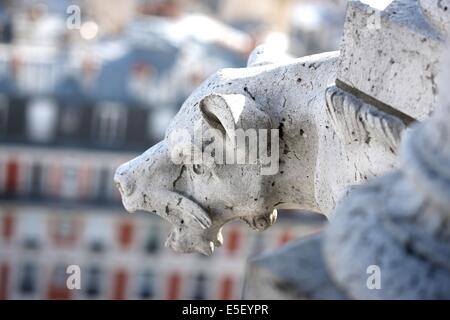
<point x="69" y="189"/>
<point x="110" y="122"/>
<point x="4" y="106"/>
<point x="64" y="231"/>
<point x="147" y="285"/>
<point x="41" y="119"/>
<point x="31" y="243"/>
<point x="31" y="231"/>
<point x="93" y="282"/>
<point x="70" y="121"/>
<point x="98" y="233"/>
<point x="28" y="279"/>
<point x="96" y="246"/>
<point x="152" y="240"/>
<point x="102" y="184"/>
<point x="36" y="179"/>
<point x="199" y="288"/>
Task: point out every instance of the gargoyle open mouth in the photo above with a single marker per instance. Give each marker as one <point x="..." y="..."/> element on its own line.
<point x="190" y="222"/>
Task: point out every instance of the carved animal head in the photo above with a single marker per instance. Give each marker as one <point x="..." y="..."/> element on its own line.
<point x="203" y="174"/>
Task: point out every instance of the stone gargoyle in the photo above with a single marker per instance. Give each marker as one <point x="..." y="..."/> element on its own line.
<point x="317" y="143"/>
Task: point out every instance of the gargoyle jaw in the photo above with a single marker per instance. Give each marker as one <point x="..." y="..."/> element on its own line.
<point x="191" y="230"/>
<point x="188" y="241"/>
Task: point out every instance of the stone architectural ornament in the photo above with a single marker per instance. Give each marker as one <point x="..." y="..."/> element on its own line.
<point x="309" y="166"/>
<point x="391" y="58"/>
<point x="251" y="140"/>
<point x="389" y="238"/>
<point x="395" y="228"/>
<point x="399" y="223"/>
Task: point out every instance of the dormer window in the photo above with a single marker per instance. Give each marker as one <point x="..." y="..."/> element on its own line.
<point x="110" y="122"/>
<point x="69" y="121"/>
<point x="141" y="80"/>
<point x="41" y="120"/>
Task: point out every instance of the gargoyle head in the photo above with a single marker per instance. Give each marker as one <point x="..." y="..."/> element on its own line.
<point x="210" y="168"/>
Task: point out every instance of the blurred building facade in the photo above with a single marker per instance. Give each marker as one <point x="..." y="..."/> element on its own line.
<point x="71" y="111"/>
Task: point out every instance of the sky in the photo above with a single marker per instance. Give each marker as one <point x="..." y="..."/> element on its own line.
<point x="378" y="4"/>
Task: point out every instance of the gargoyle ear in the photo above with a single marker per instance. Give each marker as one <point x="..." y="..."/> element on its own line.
<point x="228" y="112"/>
<point x="217" y="111"/>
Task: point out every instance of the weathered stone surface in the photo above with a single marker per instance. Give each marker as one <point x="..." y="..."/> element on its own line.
<point x="400" y="222"/>
<point x="389" y="224"/>
<point x="397" y="224"/>
<point x="263" y="55"/>
<point x="297" y="271"/>
<point x="438" y="13"/>
<point x="393" y="56"/>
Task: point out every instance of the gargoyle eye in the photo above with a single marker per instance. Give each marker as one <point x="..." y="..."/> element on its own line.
<point x="198" y="169"/>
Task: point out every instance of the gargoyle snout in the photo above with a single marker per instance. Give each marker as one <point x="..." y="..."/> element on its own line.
<point x="143" y="171"/>
<point x="125" y="181"/>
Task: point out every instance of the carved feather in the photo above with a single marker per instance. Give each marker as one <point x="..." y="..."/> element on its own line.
<point x="355" y="121"/>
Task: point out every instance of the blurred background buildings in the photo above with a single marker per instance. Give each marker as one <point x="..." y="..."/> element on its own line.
<point x="88" y="85"/>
